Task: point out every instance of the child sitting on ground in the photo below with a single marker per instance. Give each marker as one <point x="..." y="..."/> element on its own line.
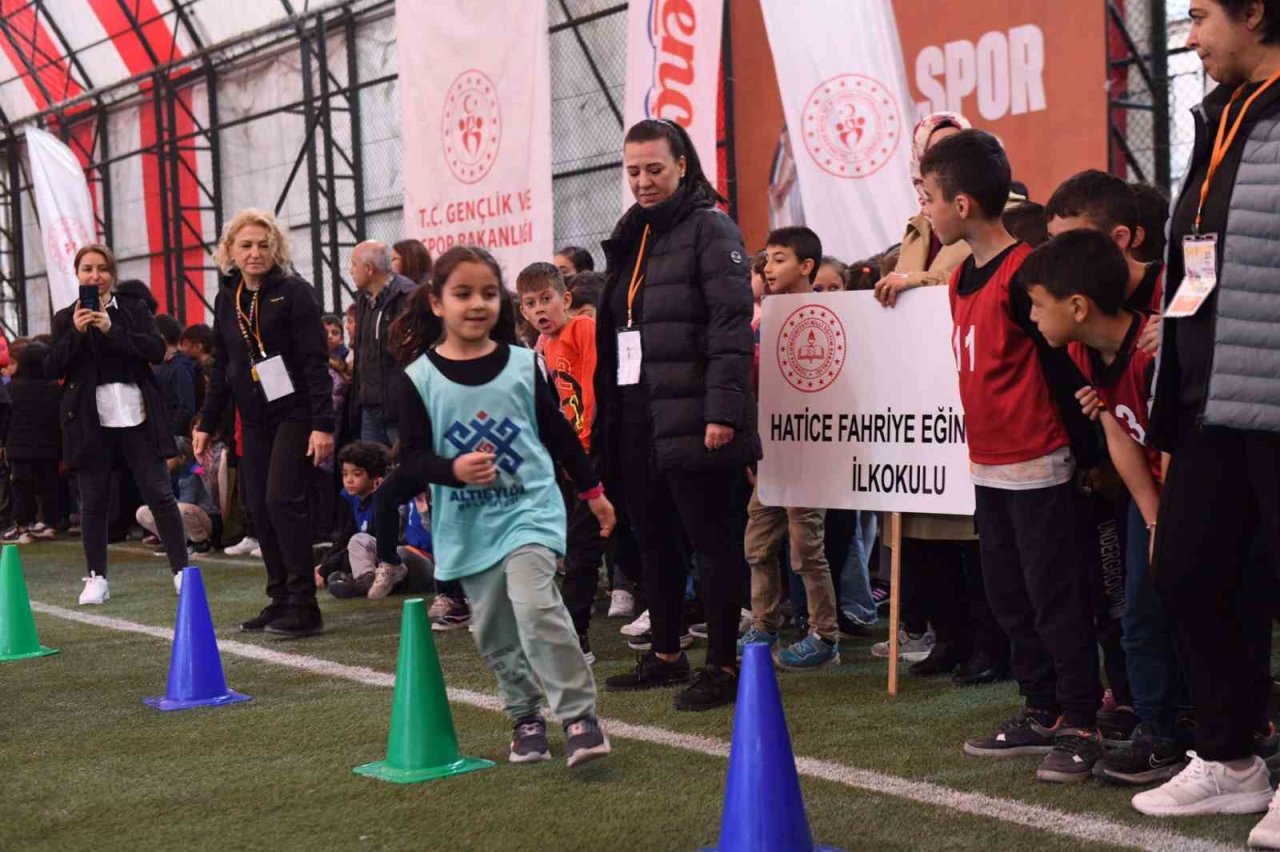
<point x="343" y="569"/>
<point x="200" y="516"/>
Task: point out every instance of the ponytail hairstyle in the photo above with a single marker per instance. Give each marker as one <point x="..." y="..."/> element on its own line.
<point x="695" y="179"/>
<point x="419" y="329"/>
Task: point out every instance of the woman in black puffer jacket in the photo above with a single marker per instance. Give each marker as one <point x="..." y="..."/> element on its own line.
<point x="678" y="428"/>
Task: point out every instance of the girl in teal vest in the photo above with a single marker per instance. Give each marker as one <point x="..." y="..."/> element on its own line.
<point x="481" y="423"/>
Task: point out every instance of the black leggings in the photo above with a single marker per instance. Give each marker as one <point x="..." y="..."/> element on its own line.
<point x="701" y="503"/>
<point x="135" y="448"/>
<point x="274" y="472"/>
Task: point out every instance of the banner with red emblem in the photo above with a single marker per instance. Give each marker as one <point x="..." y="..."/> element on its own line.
<point x="475" y="113"/>
<point x="849" y="116"/>
<point x="860" y="406"/>
<point x="673" y="70"/>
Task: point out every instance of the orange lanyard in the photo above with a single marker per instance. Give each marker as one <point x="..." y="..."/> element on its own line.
<point x="1224" y="140"/>
<point x="636" y="278"/>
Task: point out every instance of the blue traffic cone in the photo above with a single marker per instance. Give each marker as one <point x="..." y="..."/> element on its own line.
<point x="195" y="669"/>
<point x="763" y="810"/>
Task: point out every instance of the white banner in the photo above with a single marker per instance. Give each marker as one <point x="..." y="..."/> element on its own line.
<point x="65" y="211"/>
<point x="475" y="118"/>
<point x="850" y="115"/>
<point x="673" y="70"/>
<point x="860" y="406"/>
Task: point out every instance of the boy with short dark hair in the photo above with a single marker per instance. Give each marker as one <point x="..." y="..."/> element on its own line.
<point x="350" y="569"/>
<point x="1020" y="452"/>
<point x="569" y="347"/>
<point x="1102" y="202"/>
<point x="1077" y="284"/>
<point x="792" y="258"/>
<point x="585" y="290"/>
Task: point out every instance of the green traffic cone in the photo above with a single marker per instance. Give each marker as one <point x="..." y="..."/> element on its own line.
<point x="422" y="744"/>
<point x="18" y="640"/>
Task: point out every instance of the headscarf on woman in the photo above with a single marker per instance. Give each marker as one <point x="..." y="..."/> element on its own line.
<point x="920" y="137"/>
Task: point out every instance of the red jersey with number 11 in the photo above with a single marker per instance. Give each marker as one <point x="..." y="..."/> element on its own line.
<point x="1010" y="416"/>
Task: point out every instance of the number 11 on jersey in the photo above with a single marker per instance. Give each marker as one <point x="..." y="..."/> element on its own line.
<point x="960" y="341"/>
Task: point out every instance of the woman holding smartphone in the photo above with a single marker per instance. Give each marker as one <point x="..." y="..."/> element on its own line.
<point x="112" y="412"/>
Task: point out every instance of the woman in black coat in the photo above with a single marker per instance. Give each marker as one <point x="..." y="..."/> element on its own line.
<point x="111" y="412"/>
<point x="270" y="355"/>
<point x="676" y="414"/>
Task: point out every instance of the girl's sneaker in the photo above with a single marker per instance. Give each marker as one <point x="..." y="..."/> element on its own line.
<point x="529" y="741"/>
<point x="811" y="652"/>
<point x="584" y="740"/>
<point x="243" y="547"/>
<point x="638" y="627"/>
<point x="95" y="590"/>
<point x="457" y="617"/>
<point x="13" y="535"/>
<point x="622" y="604"/>
<point x="42" y="532"/>
<point x="911" y="648"/>
<point x="756" y="635"/>
<point x="1028" y="732"/>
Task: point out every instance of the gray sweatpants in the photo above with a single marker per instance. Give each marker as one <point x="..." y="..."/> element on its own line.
<point x="525" y="634"/>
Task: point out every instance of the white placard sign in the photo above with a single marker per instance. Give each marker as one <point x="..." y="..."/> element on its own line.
<point x="860" y="406"/>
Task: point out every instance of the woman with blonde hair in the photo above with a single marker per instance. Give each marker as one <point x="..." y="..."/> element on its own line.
<point x="270" y="355"/>
<point x="112" y="411"/>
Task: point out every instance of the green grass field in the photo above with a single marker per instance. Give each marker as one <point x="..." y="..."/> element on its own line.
<point x="85" y="765"/>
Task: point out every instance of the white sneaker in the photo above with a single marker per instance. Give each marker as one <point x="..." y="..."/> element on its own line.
<point x="256" y="553"/>
<point x="1266" y="834"/>
<point x="177" y="582"/>
<point x="243" y="547"/>
<point x="911" y="649"/>
<point x="95" y="590"/>
<point x="622" y="604"/>
<point x="638" y="627"/>
<point x="1209" y="787"/>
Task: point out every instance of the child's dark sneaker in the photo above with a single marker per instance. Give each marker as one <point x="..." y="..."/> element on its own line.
<point x="651" y="672"/>
<point x="1116" y="725"/>
<point x="298" y="622"/>
<point x="584" y="741"/>
<point x="529" y="740"/>
<point x="1148" y="759"/>
<point x="343" y="585"/>
<point x="712" y="687"/>
<point x="456" y="617"/>
<point x="1028" y="732"/>
<point x="1075" y="751"/>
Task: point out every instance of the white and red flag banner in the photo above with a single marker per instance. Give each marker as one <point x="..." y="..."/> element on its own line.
<point x="65" y="211"/>
<point x="859" y="404"/>
<point x="475" y="110"/>
<point x="673" y="69"/>
<point x="850" y="115"/>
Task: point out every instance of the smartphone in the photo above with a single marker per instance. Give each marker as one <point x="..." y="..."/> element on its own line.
<point x="89" y="297"/>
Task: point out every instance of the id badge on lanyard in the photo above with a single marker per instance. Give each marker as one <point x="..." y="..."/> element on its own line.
<point x="272" y="376"/>
<point x="1200" y="278"/>
<point x="630" y="356"/>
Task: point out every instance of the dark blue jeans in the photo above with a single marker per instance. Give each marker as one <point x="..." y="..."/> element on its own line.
<point x="1155" y="674"/>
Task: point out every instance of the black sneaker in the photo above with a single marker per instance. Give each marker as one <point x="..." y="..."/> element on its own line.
<point x="584" y="741"/>
<point x="261" y="620"/>
<point x="712" y="687"/>
<point x="1149" y="759"/>
<point x="298" y="622"/>
<point x="201" y="546"/>
<point x="941" y="660"/>
<point x="529" y="741"/>
<point x="849" y="627"/>
<point x="651" y="672"/>
<point x="644" y="642"/>
<point x="342" y="585"/>
<point x="980" y="669"/>
<point x="1117" y="725"/>
<point x="1075" y="751"/>
<point x="1028" y="732"/>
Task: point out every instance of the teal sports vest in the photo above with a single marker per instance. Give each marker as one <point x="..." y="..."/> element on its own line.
<point x="476" y="527"/>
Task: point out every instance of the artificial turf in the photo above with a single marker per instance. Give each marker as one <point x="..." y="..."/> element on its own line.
<point x="84" y="765"/>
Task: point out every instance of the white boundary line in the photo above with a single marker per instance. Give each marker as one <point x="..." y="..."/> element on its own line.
<point x="1062" y="823"/>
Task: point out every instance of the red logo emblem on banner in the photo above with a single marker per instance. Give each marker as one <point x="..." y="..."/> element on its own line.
<point x="811" y="348"/>
<point x="472" y="126"/>
<point x="851" y="125"/>
<point x="63" y="240"/>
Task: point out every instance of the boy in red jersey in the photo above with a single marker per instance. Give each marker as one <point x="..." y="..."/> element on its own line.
<point x="1077" y="286"/>
<point x="1020" y="451"/>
